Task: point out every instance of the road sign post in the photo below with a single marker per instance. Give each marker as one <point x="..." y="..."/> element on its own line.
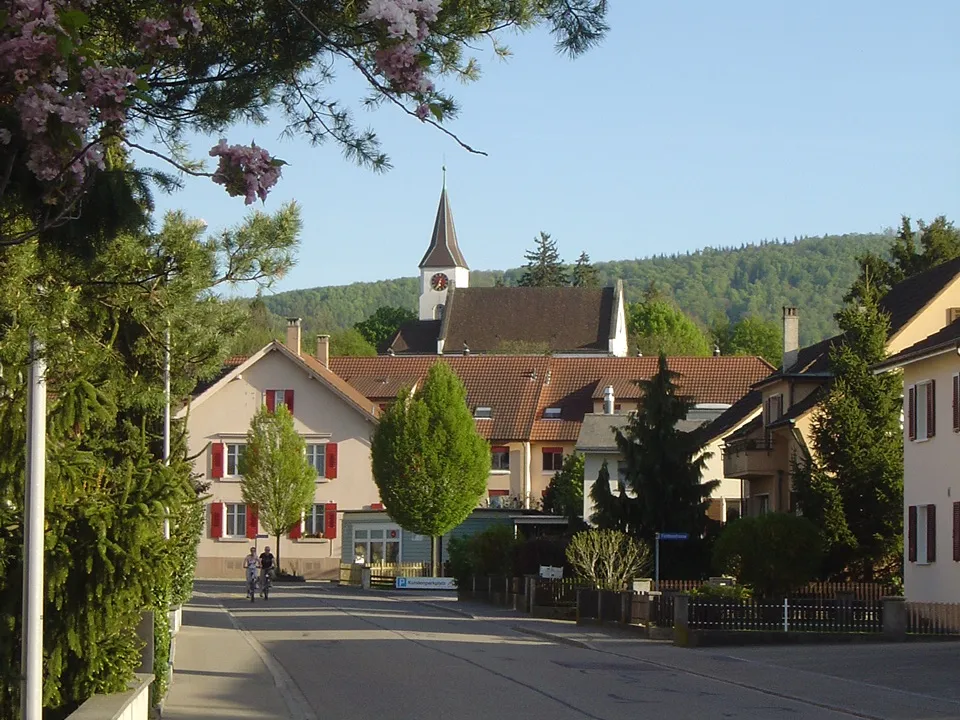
<point x="656" y="552"/>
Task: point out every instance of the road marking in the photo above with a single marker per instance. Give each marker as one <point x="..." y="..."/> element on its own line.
<point x="297" y="706"/>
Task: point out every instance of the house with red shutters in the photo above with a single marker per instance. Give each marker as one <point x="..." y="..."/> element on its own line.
<point x="336" y="423"/>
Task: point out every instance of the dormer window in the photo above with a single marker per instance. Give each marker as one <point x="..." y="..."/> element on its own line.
<point x="551" y="413"/>
<point x="482" y="412"/>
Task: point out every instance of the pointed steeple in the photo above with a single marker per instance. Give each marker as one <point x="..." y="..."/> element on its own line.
<point x="443" y="251"/>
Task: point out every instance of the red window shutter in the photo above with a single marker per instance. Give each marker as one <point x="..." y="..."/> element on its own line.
<point x="932" y="409"/>
<point x="931" y="533"/>
<point x="330" y="521"/>
<point x="552" y="450"/>
<point x="288" y="400"/>
<point x="912" y="533"/>
<point x="500" y="449"/>
<point x="296" y="531"/>
<point x="956" y="531"/>
<point x="271" y="400"/>
<point x="497" y="493"/>
<point x="330" y="461"/>
<point x="253" y="521"/>
<point x="912" y="412"/>
<point x="956" y="403"/>
<point x="376" y="506"/>
<point x="216" y="520"/>
<point x="216" y="460"/>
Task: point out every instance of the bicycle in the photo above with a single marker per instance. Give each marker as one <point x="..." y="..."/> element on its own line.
<point x="265" y="585"/>
<point x="252" y="587"/>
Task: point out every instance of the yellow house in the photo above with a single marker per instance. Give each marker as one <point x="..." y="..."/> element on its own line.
<point x="762" y="451"/>
<point x="931" y="455"/>
<point x="336" y="423"/>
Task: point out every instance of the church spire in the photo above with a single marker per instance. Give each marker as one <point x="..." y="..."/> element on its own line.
<point x="443" y="251"/>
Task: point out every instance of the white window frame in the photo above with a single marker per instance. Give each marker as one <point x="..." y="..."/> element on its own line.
<point x="921" y="393"/>
<point x="317" y="514"/>
<point x="552" y="413"/>
<point x="238" y="512"/>
<point x="367" y="540"/>
<point x="312" y="450"/>
<point x="505" y="452"/>
<point x="279" y="397"/>
<point x="543" y="459"/>
<point x="483" y="412"/>
<point x="922" y="518"/>
<point x="232" y="452"/>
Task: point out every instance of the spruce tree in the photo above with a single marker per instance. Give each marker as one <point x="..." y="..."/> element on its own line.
<point x="611" y="512"/>
<point x="429" y="462"/>
<point x="859" y="447"/>
<point x="584" y="273"/>
<point x="277" y="476"/>
<point x="544" y="267"/>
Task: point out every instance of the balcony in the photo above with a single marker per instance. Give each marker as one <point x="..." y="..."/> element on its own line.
<point x="750" y="457"/>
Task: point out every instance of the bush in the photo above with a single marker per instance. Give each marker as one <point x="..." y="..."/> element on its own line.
<point x="532" y="553"/>
<point x="608" y="559"/>
<point x="722" y="592"/>
<point x="773" y="554"/>
<point x="490" y="552"/>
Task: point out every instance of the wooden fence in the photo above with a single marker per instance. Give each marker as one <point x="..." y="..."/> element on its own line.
<point x="863" y="591"/>
<point x="799" y="615"/>
<point x="350" y="573"/>
<point x="552" y="592"/>
<point x="661" y="610"/>
<point x="933" y="618"/>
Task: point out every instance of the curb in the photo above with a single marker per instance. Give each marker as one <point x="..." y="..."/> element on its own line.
<point x="553" y="638"/>
<point x="442" y="608"/>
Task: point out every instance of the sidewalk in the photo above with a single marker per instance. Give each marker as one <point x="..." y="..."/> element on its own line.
<point x="219" y="672"/>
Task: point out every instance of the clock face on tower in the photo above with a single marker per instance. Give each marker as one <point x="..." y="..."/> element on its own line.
<point x="439" y="282"/>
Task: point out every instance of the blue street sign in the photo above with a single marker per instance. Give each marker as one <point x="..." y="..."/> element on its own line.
<point x="673" y="536"/>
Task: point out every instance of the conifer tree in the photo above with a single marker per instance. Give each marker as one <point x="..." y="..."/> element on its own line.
<point x="277" y="477"/>
<point x="544" y="267"/>
<point x="584" y="273"/>
<point x="564" y="494"/>
<point x="429" y="462"/>
<point x="611" y="512"/>
<point x="859" y="447"/>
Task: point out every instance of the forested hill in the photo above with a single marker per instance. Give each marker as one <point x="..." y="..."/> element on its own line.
<point x="811" y="273"/>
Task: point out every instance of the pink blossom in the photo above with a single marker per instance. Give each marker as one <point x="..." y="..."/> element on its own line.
<point x="422" y="111"/>
<point x="191" y="17"/>
<point x="245" y="170"/>
<point x="408" y="24"/>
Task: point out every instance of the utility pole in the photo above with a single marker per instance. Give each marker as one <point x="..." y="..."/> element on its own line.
<point x="31" y="649"/>
<point x="166" y="420"/>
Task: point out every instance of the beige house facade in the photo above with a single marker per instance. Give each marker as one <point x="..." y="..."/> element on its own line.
<point x="336" y="424"/>
<point x="762" y="452"/>
<point x="931" y="455"/>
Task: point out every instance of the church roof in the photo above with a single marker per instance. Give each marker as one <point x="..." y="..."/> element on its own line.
<point x="444" y="252"/>
<point x="516" y="320"/>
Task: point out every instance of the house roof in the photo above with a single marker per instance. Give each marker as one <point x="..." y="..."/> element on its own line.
<point x="444" y="252"/>
<point x="597" y="431"/>
<point x="236" y="365"/>
<point x="495" y="319"/>
<point x="518" y="389"/>
<point x="731" y="417"/>
<point x="942" y="341"/>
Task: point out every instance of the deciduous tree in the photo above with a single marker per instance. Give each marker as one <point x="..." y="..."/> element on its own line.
<point x="429" y="462"/>
<point x="564" y="494"/>
<point x="608" y="559"/>
<point x="658" y="326"/>
<point x="381" y="326"/>
<point x="277" y="477"/>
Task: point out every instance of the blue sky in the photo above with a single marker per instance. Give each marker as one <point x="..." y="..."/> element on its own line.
<point x="694" y="124"/>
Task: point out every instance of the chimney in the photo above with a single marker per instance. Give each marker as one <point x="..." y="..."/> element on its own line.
<point x="791" y="337"/>
<point x="608" y="400"/>
<point x="293" y="334"/>
<point x="323" y="350"/>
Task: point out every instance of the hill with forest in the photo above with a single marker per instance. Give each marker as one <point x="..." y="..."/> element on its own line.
<point x="811" y="273"/>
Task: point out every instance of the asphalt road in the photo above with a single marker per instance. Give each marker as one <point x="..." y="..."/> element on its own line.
<point x="348" y="655"/>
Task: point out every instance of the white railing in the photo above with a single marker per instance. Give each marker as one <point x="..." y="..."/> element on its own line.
<point x="134" y="704"/>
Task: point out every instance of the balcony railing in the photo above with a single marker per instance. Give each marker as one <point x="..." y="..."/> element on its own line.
<point x="748" y="445"/>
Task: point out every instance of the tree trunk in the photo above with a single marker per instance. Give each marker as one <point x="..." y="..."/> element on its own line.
<point x="277" y="563"/>
<point x="433" y="556"/>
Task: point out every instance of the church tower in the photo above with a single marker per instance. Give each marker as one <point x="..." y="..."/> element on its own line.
<point x="443" y="265"/>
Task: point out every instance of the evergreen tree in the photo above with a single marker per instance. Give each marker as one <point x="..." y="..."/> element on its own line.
<point x="859" y="448"/>
<point x="429" y="462"/>
<point x="584" y="273"/>
<point x="564" y="494"/>
<point x="277" y="477"/>
<point x="664" y="465"/>
<point x="544" y="267"/>
<point x="611" y="512"/>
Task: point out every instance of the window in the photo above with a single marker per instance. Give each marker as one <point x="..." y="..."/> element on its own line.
<point x="438" y="312"/>
<point x="236" y="514"/>
<point x="317" y="458"/>
<point x="498" y="498"/>
<point x="956" y="403"/>
<point x="274" y="398"/>
<point x="376" y="544"/>
<point x="733" y="511"/>
<point x="313" y="521"/>
<point x="921" y="411"/>
<point x="621" y="473"/>
<point x="483" y="412"/>
<point x="551" y="413"/>
<point x="552" y="459"/>
<point x="956" y="532"/>
<point x="774" y="408"/>
<point x="922" y="534"/>
<point x="234" y="458"/>
<point x="763" y="504"/>
<point x="500" y="458"/>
